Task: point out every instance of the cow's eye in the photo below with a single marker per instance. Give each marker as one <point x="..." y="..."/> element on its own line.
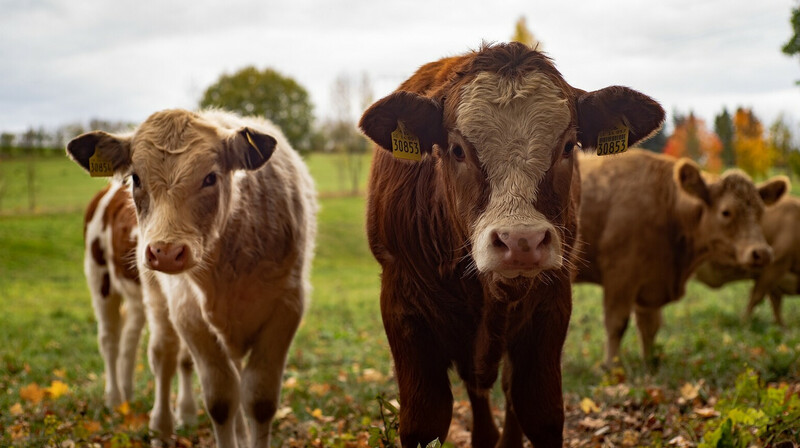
<point x="210" y="180"/>
<point x="726" y="213"/>
<point x="135" y="180"/>
<point x="458" y="152"/>
<point x="568" y="148"/>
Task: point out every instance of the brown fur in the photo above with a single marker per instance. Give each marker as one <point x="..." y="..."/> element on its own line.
<point x="782" y="275"/>
<point x="438" y="310"/>
<point x="647" y="221"/>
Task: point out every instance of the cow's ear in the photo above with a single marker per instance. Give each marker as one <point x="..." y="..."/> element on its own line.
<point x="247" y="149"/>
<point x="420" y="116"/>
<point x="100" y="153"/>
<point x="773" y="189"/>
<point x="690" y="179"/>
<point x="611" y="107"/>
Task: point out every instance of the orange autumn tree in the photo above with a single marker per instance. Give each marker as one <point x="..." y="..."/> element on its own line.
<point x="753" y="154"/>
<point x="691" y="138"/>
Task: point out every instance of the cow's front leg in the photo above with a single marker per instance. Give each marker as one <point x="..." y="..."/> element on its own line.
<point x="534" y="357"/>
<point x="162" y="352"/>
<point x="617" y="308"/>
<point x="263" y="374"/>
<point x="426" y="401"/>
<point x="219" y="374"/>
<point x="186" y="408"/>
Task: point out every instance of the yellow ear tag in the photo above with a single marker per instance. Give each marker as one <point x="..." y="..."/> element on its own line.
<point x="99" y="166"/>
<point x="405" y="145"/>
<point x="613" y="141"/>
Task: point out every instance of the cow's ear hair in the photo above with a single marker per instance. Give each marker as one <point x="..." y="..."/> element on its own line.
<point x="106" y="147"/>
<point x="773" y="189"/>
<point x="247" y="149"/>
<point x="690" y="179"/>
<point x="421" y="116"/>
<point x="608" y="108"/>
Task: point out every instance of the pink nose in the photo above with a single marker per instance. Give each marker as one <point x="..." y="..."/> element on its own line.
<point x="521" y="248"/>
<point x="167" y="257"/>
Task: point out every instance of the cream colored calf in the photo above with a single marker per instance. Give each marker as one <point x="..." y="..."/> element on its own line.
<point x="227" y="217"/>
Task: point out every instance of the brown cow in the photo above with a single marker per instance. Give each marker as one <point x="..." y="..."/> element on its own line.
<point x="476" y="240"/>
<point x="648" y="221"/>
<point x="227" y="219"/>
<point x="110" y="234"/>
<point x="781" y="224"/>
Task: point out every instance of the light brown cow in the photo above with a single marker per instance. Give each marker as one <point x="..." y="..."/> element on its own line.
<point x="224" y="251"/>
<point x="110" y="234"/>
<point x="781" y="224"/>
<point x="476" y="239"/>
<point x="648" y="221"/>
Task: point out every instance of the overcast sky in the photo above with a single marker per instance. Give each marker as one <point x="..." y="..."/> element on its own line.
<point x="63" y="61"/>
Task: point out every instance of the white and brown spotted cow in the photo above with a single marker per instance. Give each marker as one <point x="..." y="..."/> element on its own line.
<point x="224" y="251"/>
<point x="109" y="231"/>
<point x="110" y="234"/>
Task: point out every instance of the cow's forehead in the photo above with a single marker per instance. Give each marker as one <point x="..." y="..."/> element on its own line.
<point x="738" y="189"/>
<point x="497" y="110"/>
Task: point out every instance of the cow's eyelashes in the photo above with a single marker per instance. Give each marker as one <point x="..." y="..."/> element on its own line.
<point x="458" y="152"/>
<point x="210" y="180"/>
<point x="135" y="180"/>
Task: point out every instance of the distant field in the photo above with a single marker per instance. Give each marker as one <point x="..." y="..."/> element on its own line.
<point x="340" y="361"/>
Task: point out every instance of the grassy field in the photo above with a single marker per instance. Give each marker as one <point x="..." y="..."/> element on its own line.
<point x="51" y="371"/>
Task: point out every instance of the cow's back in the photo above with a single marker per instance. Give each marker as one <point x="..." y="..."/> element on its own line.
<point x="781" y="229"/>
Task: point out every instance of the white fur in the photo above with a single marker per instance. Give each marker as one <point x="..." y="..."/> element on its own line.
<point x="516" y="125"/>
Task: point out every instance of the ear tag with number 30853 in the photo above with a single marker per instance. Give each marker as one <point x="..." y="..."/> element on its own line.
<point x="612" y="141"/>
<point x="99" y="166"/>
<point x="405" y="145"/>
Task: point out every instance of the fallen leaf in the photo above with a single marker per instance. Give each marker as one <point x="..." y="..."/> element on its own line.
<point x="32" y="393"/>
<point x="630" y="438"/>
<point x="679" y="441"/>
<point x="588" y="406"/>
<point x="16" y="409"/>
<point x="92" y="426"/>
<point x="317" y="413"/>
<point x="707" y="412"/>
<point x="281" y="413"/>
<point x="124" y="408"/>
<point x="290" y="383"/>
<point x="18" y="431"/>
<point x="783" y="348"/>
<point x="319" y="389"/>
<point x="656" y="395"/>
<point x="57" y="388"/>
<point x="592" y="423"/>
<point x="689" y="391"/>
<point x="372" y="375"/>
<point x="60" y="373"/>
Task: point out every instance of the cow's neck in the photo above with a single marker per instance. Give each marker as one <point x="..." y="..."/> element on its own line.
<point x="695" y="247"/>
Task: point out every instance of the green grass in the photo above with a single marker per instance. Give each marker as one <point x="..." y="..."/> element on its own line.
<point x="340" y="359"/>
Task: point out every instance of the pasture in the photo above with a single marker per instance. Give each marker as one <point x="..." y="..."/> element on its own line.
<point x="51" y="370"/>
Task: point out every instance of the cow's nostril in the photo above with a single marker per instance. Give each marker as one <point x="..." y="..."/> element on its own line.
<point x="497" y="242"/>
<point x="546" y="240"/>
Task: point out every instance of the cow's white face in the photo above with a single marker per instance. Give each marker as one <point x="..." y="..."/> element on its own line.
<point x="182" y="198"/>
<point x="181" y="167"/>
<point x="517" y="128"/>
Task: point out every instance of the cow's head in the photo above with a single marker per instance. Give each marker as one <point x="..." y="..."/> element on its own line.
<point x="504" y="126"/>
<point x="181" y="170"/>
<point x="728" y="212"/>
